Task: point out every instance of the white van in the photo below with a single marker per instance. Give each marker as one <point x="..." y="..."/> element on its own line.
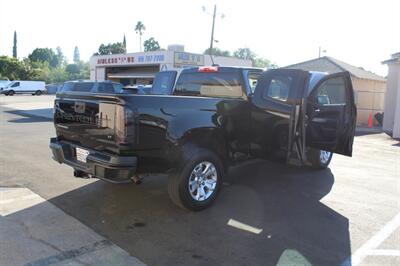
<point x="24" y="86"/>
<point x="4" y="83"/>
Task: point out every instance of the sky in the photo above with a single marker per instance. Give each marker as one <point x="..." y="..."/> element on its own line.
<point x="361" y="33"/>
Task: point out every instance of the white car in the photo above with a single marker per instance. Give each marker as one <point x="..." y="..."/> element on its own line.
<point x="24" y="86"/>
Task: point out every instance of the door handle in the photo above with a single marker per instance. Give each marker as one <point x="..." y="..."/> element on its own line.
<point x="317" y="110"/>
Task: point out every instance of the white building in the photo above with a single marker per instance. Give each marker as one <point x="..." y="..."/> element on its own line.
<point x="391" y="118"/>
<point x="140" y="68"/>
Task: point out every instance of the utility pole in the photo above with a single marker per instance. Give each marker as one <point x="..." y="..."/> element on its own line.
<point x="214" y="15"/>
<point x="212" y="31"/>
<point x="320" y="51"/>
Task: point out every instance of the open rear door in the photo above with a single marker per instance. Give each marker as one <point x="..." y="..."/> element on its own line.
<point x="331" y="114"/>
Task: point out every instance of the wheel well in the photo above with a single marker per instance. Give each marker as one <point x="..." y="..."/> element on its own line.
<point x="209" y="139"/>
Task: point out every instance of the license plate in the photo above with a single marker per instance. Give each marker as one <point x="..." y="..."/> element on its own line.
<point x="81" y="154"/>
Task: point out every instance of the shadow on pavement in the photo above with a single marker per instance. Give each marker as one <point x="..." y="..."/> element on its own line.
<point x="284" y="202"/>
<point x="31" y="116"/>
<point x="362" y="131"/>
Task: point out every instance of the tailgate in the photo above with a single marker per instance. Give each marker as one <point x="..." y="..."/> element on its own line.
<point x="92" y="121"/>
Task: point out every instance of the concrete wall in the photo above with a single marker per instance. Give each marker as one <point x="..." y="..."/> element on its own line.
<point x="370" y="99"/>
<point x="391" y="122"/>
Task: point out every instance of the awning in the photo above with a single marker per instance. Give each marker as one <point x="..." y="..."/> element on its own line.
<point x="123" y="75"/>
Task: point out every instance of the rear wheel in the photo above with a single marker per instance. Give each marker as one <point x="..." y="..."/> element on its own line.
<point x="319" y="159"/>
<point x="11" y="93"/>
<point x="197" y="182"/>
<point x="38" y="93"/>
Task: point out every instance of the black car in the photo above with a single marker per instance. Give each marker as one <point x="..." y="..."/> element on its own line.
<point x="210" y="119"/>
<point x="91" y="86"/>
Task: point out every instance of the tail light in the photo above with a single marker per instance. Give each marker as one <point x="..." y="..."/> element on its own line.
<point x="208" y="69"/>
<point x="124" y="125"/>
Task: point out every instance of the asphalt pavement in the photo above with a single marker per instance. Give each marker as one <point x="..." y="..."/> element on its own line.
<point x="266" y="213"/>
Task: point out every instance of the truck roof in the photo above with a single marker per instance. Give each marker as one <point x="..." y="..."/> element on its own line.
<point x="220" y="69"/>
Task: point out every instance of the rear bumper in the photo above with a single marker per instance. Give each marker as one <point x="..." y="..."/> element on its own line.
<point x="116" y="169"/>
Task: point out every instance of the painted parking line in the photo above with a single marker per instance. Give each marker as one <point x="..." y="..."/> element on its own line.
<point x="370" y="247"/>
<point x="384" y="252"/>
<point x="244" y="227"/>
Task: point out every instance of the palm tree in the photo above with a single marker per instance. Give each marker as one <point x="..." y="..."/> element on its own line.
<point x="139" y="29"/>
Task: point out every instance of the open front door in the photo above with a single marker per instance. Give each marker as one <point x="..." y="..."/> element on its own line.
<point x="331" y="115"/>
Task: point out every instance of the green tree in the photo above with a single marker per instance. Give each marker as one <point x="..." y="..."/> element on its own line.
<point x="218" y="52"/>
<point x="263" y="63"/>
<point x="244" y="53"/>
<point x="72" y="69"/>
<point x="111" y="48"/>
<point x="124" y="42"/>
<point x="77" y="57"/>
<point x="15" y="45"/>
<point x="247" y="54"/>
<point x="79" y="70"/>
<point x="61" y="58"/>
<point x="13" y="68"/>
<point x="45" y="55"/>
<point x="151" y="45"/>
<point x="140" y="28"/>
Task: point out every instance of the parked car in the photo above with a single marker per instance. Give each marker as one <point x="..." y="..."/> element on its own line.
<point x="88" y="86"/>
<point x="212" y="120"/>
<point x="24" y="87"/>
<point x="53" y="88"/>
<point x="137" y="89"/>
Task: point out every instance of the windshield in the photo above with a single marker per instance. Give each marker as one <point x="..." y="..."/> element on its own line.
<point x="10" y="84"/>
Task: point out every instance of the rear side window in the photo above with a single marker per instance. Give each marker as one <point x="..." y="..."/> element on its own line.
<point x="163" y="83"/>
<point x="279" y="88"/>
<point x="224" y="85"/>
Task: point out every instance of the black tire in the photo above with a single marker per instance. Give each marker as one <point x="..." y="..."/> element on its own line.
<point x="38" y="93"/>
<point x="178" y="181"/>
<point x="11" y="93"/>
<point x="317" y="160"/>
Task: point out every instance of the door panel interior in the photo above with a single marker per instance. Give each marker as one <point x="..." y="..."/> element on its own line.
<point x="331" y="115"/>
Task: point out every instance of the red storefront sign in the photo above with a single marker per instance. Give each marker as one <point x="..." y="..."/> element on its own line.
<point x="116" y="60"/>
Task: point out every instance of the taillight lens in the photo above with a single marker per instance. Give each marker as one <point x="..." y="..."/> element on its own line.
<point x="124" y="125"/>
<point x="208" y="69"/>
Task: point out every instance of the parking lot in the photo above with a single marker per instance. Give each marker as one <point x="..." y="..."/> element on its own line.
<point x="266" y="214"/>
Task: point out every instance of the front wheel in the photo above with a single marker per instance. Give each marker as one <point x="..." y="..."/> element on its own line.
<point x="38" y="93"/>
<point x="196" y="184"/>
<point x="319" y="159"/>
<point x="11" y="93"/>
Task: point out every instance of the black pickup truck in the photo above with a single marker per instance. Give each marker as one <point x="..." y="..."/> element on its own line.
<point x="212" y="118"/>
